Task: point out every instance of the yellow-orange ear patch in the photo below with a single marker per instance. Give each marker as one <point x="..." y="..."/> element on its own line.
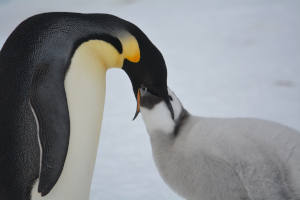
<point x="131" y="49"/>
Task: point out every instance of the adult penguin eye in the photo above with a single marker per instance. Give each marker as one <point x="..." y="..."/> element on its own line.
<point x="171" y="98"/>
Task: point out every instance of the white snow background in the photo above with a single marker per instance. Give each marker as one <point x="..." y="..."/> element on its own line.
<point x="225" y="59"/>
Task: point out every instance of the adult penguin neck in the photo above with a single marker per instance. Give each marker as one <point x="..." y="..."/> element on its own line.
<point x="85" y="91"/>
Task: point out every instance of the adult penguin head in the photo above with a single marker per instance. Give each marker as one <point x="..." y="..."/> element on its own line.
<point x="147" y="69"/>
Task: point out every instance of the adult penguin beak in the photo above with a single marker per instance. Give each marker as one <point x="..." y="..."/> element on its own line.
<point x="138" y="100"/>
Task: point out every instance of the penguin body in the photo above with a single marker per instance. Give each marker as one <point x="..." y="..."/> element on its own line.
<point x="222" y="159"/>
<point x="48" y="72"/>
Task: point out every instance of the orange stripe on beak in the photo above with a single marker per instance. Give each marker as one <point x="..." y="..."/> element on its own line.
<point x="138" y="99"/>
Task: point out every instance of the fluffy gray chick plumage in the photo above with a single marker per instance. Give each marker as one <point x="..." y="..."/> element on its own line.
<point x="222" y="159"/>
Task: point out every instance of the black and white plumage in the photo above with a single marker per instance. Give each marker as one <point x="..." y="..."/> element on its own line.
<point x="222" y="159"/>
<point x="52" y="92"/>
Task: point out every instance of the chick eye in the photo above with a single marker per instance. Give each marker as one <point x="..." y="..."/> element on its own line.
<point x="170" y="98"/>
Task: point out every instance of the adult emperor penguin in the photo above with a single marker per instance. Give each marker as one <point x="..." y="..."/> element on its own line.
<point x="52" y="89"/>
<point x="222" y="159"/>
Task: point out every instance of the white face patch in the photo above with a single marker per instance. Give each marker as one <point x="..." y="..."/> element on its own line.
<point x="159" y="119"/>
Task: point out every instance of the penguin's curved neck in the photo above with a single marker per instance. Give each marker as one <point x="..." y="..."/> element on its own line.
<point x="85" y="91"/>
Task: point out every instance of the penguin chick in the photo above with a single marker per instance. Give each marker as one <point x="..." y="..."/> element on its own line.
<point x="221" y="159"/>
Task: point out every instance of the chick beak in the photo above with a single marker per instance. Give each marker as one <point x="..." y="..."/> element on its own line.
<point x="138" y="100"/>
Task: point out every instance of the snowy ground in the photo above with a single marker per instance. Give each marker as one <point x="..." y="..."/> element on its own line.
<point x="225" y="59"/>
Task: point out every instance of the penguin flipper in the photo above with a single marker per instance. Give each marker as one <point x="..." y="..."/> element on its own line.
<point x="48" y="99"/>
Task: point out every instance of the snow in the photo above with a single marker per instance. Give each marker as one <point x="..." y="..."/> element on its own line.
<point x="225" y="59"/>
